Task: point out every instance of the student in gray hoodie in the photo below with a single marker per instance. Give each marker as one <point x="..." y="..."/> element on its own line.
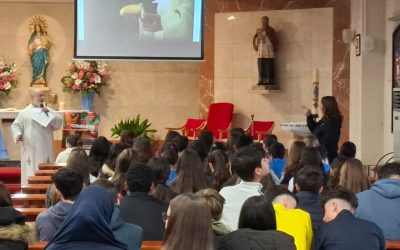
<point x="381" y="203"/>
<point x="69" y="184"/>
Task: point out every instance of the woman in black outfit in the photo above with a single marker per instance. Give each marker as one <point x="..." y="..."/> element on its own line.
<point x="327" y="129"/>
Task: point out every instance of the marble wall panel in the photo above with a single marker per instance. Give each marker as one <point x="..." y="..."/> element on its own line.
<point x="295" y="27"/>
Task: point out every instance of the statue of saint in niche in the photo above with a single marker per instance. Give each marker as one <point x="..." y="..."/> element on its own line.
<point x="265" y="42"/>
<point x="38" y="50"/>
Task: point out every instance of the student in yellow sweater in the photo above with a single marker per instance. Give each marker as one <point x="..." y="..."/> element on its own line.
<point x="290" y="220"/>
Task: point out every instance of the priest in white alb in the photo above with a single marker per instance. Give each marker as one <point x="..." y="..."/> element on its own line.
<point x="34" y="130"/>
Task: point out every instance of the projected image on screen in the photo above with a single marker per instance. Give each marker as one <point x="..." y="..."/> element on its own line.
<point x="141" y="29"/>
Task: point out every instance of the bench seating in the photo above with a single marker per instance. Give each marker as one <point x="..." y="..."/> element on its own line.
<point x="47" y="166"/>
<point x="45" y="172"/>
<point x="31" y="212"/>
<point x="39" y="180"/>
<point x="392" y="244"/>
<point x="29" y="200"/>
<point x="146" y="245"/>
<point x="35" y="188"/>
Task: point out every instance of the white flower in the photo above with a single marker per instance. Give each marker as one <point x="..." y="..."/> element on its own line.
<point x="7" y="85"/>
<point x="78" y="81"/>
<point x="79" y="64"/>
<point x="2" y="62"/>
<point x="5" y="73"/>
<point x="86" y="65"/>
<point x="74" y="75"/>
<point x="97" y="79"/>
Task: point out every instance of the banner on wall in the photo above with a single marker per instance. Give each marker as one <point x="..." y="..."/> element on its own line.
<point x="85" y="124"/>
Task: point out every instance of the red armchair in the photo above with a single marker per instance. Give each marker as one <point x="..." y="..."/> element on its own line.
<point x="188" y="129"/>
<point x="259" y="130"/>
<point x="219" y="120"/>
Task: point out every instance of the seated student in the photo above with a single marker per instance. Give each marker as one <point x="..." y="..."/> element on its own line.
<point x="348" y="149"/>
<point x="324" y="156"/>
<point x="138" y="207"/>
<point x="68" y="185"/>
<point x="233" y="139"/>
<point x="191" y="174"/>
<point x="251" y="165"/>
<point x="122" y="164"/>
<point x="243" y="141"/>
<point x="257" y="229"/>
<point x="161" y="169"/>
<point x="129" y="234"/>
<point x="290" y="220"/>
<point x="336" y="166"/>
<point x="278" y="163"/>
<point x="207" y="137"/>
<point x="341" y="230"/>
<point x="380" y="204"/>
<point x="142" y="146"/>
<point x="188" y="224"/>
<point x="126" y="137"/>
<point x="311" y="141"/>
<point x="97" y="156"/>
<point x="308" y="185"/>
<point x="170" y="152"/>
<point x="14" y="233"/>
<point x="269" y="140"/>
<point x="216" y="203"/>
<point x="218" y="169"/>
<point x="87" y="225"/>
<point x="200" y="148"/>
<point x="293" y="162"/>
<point x="108" y="168"/>
<point x="353" y="176"/>
<point x="71" y="142"/>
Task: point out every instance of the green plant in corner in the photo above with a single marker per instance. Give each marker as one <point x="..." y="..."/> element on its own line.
<point x="134" y="126"/>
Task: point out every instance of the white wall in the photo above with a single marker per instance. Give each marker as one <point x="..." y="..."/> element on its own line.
<point x="367" y="81"/>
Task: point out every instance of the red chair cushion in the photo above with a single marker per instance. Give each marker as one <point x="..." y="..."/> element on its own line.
<point x="192" y="124"/>
<point x="10" y="175"/>
<point x="259" y="126"/>
<point x="219" y="117"/>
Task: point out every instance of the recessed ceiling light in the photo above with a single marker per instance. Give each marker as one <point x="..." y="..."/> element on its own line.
<point x="231" y="18"/>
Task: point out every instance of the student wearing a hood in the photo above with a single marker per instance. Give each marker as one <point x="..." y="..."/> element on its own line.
<point x="68" y="185"/>
<point x="380" y="204"/>
<point x="88" y="224"/>
<point x="14" y="233"/>
<point x="129" y="234"/>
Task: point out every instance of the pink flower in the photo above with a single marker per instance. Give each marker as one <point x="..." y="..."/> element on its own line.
<point x="74" y="87"/>
<point x="5" y="79"/>
<point x="88" y="74"/>
<point x="81" y="74"/>
<point x="91" y="69"/>
<point x="85" y="85"/>
<point x="1" y="69"/>
<point x="2" y="87"/>
<point x="91" y="79"/>
<point x="72" y="68"/>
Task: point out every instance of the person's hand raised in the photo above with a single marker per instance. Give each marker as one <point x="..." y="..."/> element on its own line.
<point x="307" y="111"/>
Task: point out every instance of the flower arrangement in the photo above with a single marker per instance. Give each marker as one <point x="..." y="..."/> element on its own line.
<point x="85" y="77"/>
<point x="8" y="76"/>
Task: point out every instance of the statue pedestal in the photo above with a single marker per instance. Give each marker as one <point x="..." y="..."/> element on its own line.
<point x="265" y="89"/>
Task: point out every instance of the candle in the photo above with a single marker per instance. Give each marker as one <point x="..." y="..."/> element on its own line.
<point x="315" y="75"/>
<point x="61" y="106"/>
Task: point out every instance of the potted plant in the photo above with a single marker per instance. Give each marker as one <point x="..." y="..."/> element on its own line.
<point x="134" y="126"/>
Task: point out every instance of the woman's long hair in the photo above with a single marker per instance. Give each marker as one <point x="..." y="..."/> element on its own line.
<point x="218" y="161"/>
<point x="353" y="176"/>
<point x="191" y="175"/>
<point x="330" y="108"/>
<point x="122" y="164"/>
<point x="189" y="224"/>
<point x="98" y="154"/>
<point x="78" y="160"/>
<point x="293" y="163"/>
<point x="257" y="213"/>
<point x="5" y="197"/>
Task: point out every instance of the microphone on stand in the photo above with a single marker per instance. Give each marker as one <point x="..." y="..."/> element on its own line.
<point x="46" y="111"/>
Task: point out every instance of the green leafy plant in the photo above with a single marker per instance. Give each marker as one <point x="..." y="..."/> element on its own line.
<point x="134" y="126"/>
